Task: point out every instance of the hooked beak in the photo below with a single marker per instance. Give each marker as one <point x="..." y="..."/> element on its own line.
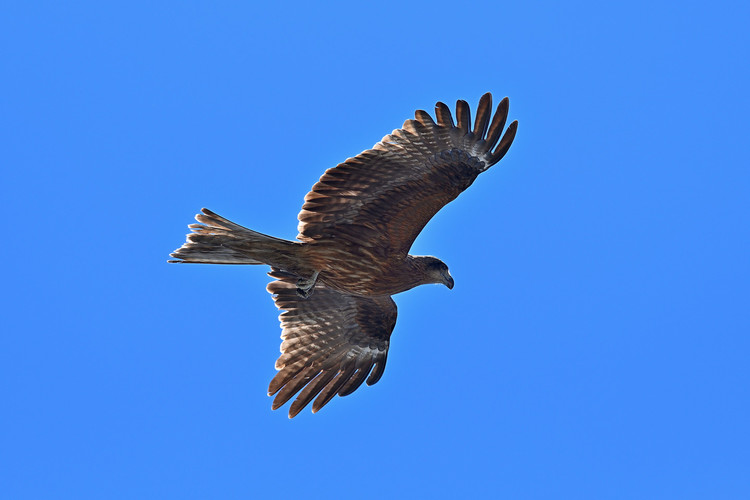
<point x="448" y="280"/>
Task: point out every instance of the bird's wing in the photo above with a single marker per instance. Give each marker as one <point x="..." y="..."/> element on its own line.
<point x="331" y="343"/>
<point x="383" y="197"/>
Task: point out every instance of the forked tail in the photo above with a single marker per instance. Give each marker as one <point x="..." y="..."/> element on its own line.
<point x="217" y="240"/>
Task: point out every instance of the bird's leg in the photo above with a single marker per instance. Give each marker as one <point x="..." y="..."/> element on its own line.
<point x="305" y="286"/>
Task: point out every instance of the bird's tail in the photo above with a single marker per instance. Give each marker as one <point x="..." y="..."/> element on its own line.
<point x="216" y="240"/>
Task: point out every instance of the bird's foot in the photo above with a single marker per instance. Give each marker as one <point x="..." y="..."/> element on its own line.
<point x="305" y="286"/>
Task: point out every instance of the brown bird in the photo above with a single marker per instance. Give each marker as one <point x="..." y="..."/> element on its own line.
<point x="356" y="226"/>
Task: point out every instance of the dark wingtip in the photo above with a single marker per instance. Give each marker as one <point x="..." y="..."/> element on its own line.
<point x="505" y="143"/>
<point x="294" y="410"/>
<point x="443" y="114"/>
<point x="498" y="123"/>
<point x="463" y="116"/>
<point x="484" y="110"/>
<point x="423" y="117"/>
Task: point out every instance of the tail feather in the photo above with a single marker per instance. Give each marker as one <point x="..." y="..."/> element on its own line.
<point x="217" y="240"/>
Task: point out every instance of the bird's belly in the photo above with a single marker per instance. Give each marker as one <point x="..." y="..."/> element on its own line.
<point x="357" y="280"/>
<point x="357" y="272"/>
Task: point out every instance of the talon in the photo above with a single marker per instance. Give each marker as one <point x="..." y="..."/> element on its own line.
<point x="305" y="286"/>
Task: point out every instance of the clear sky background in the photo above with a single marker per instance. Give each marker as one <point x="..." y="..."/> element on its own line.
<point x="596" y="343"/>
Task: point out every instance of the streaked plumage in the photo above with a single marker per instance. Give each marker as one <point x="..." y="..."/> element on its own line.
<point x="355" y="230"/>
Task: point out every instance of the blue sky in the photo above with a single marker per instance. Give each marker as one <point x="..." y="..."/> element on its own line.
<point x="595" y="344"/>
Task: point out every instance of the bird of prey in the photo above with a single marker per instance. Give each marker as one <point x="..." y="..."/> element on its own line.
<point x="334" y="285"/>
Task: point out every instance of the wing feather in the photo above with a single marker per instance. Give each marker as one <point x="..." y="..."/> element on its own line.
<point x="383" y="197"/>
<point x="294" y="385"/>
<point x="498" y="123"/>
<point x="354" y="382"/>
<point x="424" y="118"/>
<point x="333" y="387"/>
<point x="484" y="111"/>
<point x="331" y="341"/>
<point x="463" y="116"/>
<point x="505" y="142"/>
<point x="310" y="391"/>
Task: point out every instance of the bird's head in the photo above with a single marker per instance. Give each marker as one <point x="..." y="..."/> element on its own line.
<point x="437" y="272"/>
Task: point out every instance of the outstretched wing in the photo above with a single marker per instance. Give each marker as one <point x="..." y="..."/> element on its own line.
<point x="383" y="197"/>
<point x="331" y="343"/>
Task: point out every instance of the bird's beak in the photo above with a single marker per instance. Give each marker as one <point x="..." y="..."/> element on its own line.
<point x="448" y="280"/>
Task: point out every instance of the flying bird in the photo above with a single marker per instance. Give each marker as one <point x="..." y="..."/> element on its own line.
<point x="334" y="285"/>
